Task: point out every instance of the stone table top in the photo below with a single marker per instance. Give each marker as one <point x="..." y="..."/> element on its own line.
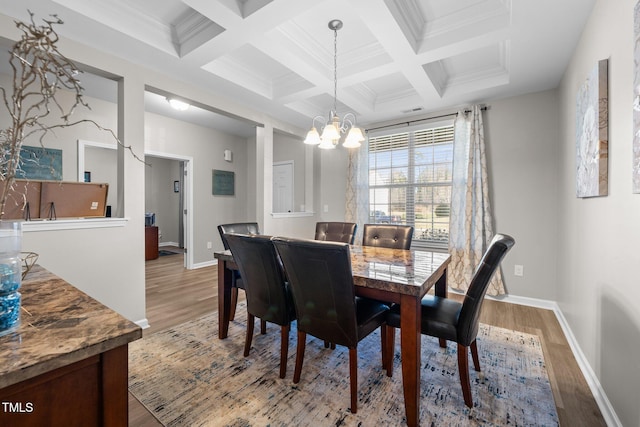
<point x="401" y="271"/>
<point x="59" y="325"/>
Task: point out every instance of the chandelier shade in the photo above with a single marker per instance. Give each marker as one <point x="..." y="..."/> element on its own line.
<point x="334" y="129"/>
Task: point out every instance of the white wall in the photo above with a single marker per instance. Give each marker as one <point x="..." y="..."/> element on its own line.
<point x="598" y="266"/>
<point x="287" y="148"/>
<point x="103" y="165"/>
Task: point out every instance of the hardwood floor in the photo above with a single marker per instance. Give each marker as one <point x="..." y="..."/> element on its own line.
<point x="175" y="295"/>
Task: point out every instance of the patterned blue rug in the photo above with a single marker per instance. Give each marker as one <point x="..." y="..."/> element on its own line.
<point x="162" y="252"/>
<point x="186" y="376"/>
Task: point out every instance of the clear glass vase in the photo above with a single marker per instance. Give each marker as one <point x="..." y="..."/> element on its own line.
<point x="10" y="275"/>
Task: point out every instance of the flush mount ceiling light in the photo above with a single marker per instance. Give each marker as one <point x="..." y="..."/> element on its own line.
<point x="178" y="105"/>
<point x="334" y="129"/>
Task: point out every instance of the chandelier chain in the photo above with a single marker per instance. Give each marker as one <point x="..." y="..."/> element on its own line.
<point x="333" y="129"/>
<point x="335" y="71"/>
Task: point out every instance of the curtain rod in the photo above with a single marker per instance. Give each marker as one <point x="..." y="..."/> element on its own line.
<point x="483" y="108"/>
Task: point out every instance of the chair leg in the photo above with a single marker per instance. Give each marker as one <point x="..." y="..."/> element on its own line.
<point x="390" y="347"/>
<point x="353" y="376"/>
<point x="383" y="345"/>
<point x="249" y="337"/>
<point x="234" y="302"/>
<point x="330" y="345"/>
<point x="474" y="355"/>
<point x="302" y="337"/>
<point x="443" y="342"/>
<point x="263" y="326"/>
<point x="284" y="349"/>
<point x="463" y="371"/>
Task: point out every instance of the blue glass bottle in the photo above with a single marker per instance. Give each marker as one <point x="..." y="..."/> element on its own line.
<point x="10" y="275"/>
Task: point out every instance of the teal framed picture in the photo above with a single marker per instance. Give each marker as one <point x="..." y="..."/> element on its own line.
<point x="223" y="183"/>
<point x="40" y="163"/>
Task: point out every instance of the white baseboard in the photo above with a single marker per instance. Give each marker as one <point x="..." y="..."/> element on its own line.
<point x="205" y="264"/>
<point x="144" y="323"/>
<point x="168" y="244"/>
<point x="608" y="413"/>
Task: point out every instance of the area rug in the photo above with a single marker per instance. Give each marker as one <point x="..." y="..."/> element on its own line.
<point x="162" y="252"/>
<point x="186" y="376"/>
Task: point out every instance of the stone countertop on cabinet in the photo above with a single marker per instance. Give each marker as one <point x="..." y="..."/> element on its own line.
<point x="59" y="325"/>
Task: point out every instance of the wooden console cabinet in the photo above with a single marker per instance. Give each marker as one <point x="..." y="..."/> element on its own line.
<point x="150" y="242"/>
<point x="67" y="363"/>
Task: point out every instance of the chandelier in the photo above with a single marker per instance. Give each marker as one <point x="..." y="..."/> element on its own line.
<point x="334" y="129"/>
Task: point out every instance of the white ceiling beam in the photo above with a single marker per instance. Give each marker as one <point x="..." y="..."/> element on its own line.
<point x="376" y="15"/>
<point x="240" y="31"/>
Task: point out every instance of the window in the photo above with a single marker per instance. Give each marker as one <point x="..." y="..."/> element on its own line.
<point x="410" y="181"/>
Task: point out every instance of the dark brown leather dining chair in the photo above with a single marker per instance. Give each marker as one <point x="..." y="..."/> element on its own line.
<point x="236" y="278"/>
<point x="343" y="232"/>
<point x="321" y="282"/>
<point x="454" y="321"/>
<point x="268" y="294"/>
<point x="387" y="236"/>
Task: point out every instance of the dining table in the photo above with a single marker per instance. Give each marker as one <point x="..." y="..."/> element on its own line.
<point x="392" y="275"/>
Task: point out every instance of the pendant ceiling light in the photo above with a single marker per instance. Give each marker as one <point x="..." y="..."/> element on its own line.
<point x="334" y="128"/>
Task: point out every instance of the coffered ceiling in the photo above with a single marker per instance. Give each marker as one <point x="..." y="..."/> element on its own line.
<point x="396" y="58"/>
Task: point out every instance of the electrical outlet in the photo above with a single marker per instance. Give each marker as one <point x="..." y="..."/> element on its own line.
<point x="209" y="245"/>
<point x="518" y="270"/>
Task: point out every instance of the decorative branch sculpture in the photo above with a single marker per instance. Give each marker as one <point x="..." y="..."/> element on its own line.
<point x="39" y="72"/>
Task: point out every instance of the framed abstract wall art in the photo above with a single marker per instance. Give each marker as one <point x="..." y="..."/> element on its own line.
<point x="223" y="183"/>
<point x="592" y="133"/>
<point x="40" y="163"/>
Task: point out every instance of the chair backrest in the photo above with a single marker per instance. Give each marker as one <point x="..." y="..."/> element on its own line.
<point x="237" y="228"/>
<point x="343" y="232"/>
<point x="263" y="277"/>
<point x="387" y="236"/>
<point x="321" y="282"/>
<point x="468" y="321"/>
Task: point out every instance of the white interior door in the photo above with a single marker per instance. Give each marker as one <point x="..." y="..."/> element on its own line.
<point x="283" y="186"/>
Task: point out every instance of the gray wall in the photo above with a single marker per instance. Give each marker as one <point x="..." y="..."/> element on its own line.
<point x="160" y="197"/>
<point x="206" y="148"/>
<point x="521" y="136"/>
<point x="598" y="260"/>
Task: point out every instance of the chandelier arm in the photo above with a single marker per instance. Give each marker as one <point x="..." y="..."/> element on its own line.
<point x="322" y="120"/>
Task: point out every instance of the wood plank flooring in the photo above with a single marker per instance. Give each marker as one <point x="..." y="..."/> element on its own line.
<point x="176" y="295"/>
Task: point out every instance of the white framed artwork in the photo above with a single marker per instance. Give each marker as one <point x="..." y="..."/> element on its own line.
<point x="592" y="133"/>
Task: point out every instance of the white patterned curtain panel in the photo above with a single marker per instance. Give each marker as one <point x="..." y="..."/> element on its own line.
<point x="470" y="227"/>
<point x="357" y="202"/>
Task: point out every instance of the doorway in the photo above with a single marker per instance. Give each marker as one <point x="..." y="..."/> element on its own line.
<point x="168" y="189"/>
<point x="283" y="186"/>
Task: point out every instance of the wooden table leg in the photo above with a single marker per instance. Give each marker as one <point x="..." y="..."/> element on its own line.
<point x="410" y="349"/>
<point x="224" y="298"/>
<point x="442" y="291"/>
<point x="441" y="288"/>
